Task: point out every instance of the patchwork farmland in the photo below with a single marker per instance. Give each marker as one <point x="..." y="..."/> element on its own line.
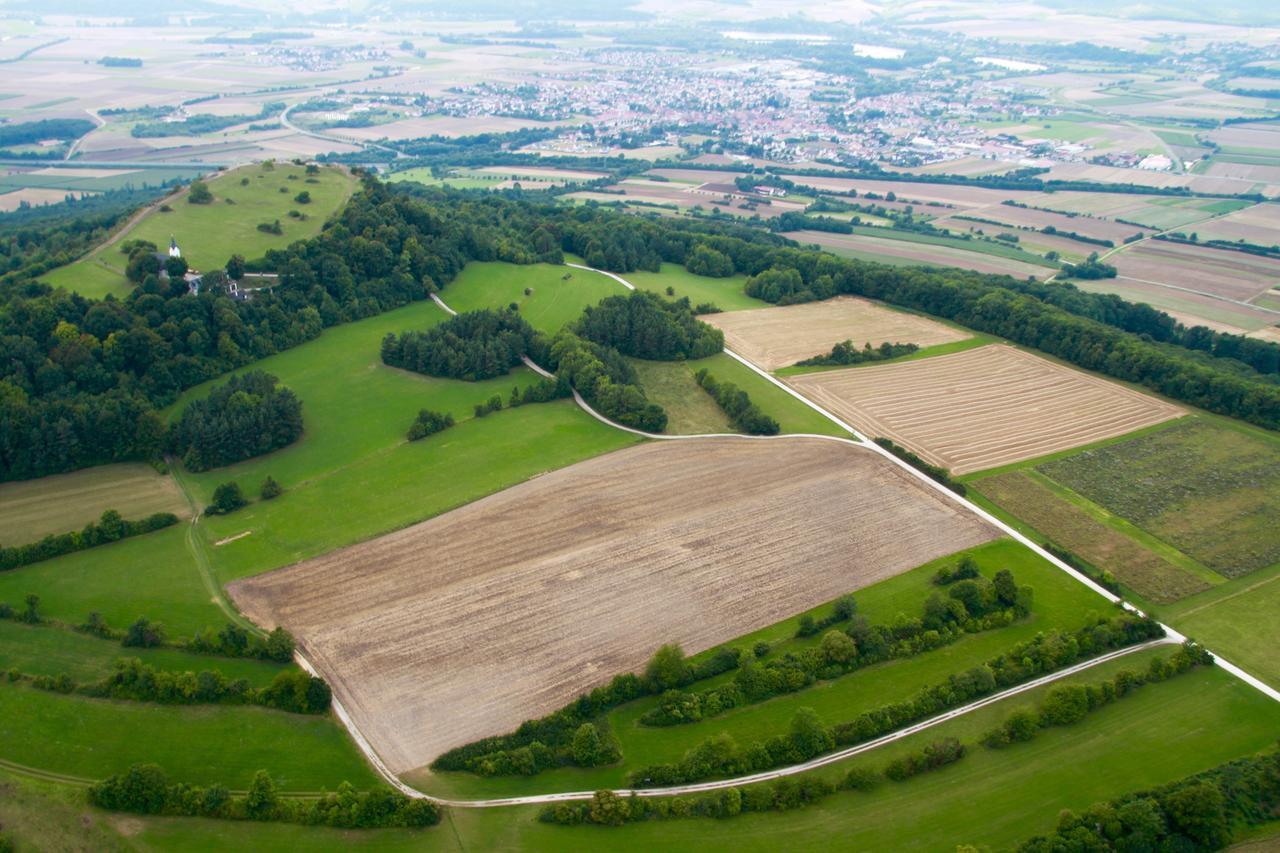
<point x="552" y="587"/>
<point x="779" y="337"/>
<point x="983" y="407"/>
<point x="913" y="252"/>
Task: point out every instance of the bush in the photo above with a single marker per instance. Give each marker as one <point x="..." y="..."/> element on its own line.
<point x="270" y="489"/>
<point x="144" y="634"/>
<point x="937" y="754"/>
<point x="199" y="193"/>
<point x="227" y="497"/>
<point x="429" y="423"/>
<point x="845" y="353"/>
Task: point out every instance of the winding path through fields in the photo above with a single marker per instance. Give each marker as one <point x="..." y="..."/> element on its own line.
<point x="1172" y="636"/>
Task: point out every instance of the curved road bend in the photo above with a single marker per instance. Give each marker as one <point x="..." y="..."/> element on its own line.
<point x="859" y="440"/>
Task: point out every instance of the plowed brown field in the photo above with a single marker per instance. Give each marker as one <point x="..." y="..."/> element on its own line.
<point x="465" y="625"/>
<point x="779" y="337"/>
<point x="983" y="407"/>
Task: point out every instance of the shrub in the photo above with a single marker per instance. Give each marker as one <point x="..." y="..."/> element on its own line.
<point x="199" y="193"/>
<point x="428" y="423"/>
<point x="227" y="497"/>
<point x="270" y="489"/>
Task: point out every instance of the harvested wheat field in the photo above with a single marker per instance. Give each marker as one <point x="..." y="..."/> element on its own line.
<point x="983" y="407"/>
<point x="467" y="624"/>
<point x="60" y="503"/>
<point x="779" y="337"/>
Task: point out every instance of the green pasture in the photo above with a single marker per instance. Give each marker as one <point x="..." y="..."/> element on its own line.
<point x="557" y="294"/>
<point x="982" y="247"/>
<point x="93" y="276"/>
<point x="1237" y="620"/>
<point x="43" y="650"/>
<point x="201" y="744"/>
<point x="690" y="410"/>
<point x="725" y="293"/>
<point x="353" y="476"/>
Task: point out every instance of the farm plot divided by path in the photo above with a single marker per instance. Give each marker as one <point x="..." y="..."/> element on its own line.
<point x="779" y="337"/>
<point x="984" y="407"/>
<point x="912" y="253"/>
<point x="465" y="625"/>
<point x="1216" y="272"/>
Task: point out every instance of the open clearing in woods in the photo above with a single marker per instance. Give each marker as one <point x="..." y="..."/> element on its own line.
<point x="983" y="407"/>
<point x="779" y="337"/>
<point x="465" y="625"/>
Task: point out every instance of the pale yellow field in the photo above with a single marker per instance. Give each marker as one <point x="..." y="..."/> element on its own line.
<point x="984" y="407"/>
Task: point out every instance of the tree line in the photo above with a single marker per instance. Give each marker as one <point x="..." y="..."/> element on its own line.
<point x="109" y="528"/>
<point x="644" y="325"/>
<point x="720" y="755"/>
<point x="845" y="353"/>
<point x="972" y="606"/>
<point x="745" y="415"/>
<point x="146" y="789"/>
<point x="293" y="690"/>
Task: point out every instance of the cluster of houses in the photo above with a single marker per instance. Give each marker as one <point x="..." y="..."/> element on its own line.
<point x="195" y="280"/>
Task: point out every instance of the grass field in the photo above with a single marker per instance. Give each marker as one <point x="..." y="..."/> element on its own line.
<point x="63" y="502"/>
<point x="1060" y="601"/>
<point x="151" y="575"/>
<point x="353" y="476"/>
<point x="210" y="234"/>
<point x="93" y="738"/>
<point x="725" y="293"/>
<point x="1238" y="620"/>
<point x="54" y="651"/>
<point x="1208" y="487"/>
<point x="1019" y="791"/>
<point x="559" y="294"/>
<point x="670" y="384"/>
<point x="1034" y="501"/>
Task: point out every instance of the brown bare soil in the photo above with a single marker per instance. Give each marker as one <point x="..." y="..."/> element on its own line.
<point x="1258" y="224"/>
<point x="983" y="407"/>
<point x="1219" y="272"/>
<point x="465" y="625"/>
<point x="778" y="337"/>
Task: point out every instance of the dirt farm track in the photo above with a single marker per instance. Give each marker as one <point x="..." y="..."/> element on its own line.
<point x="467" y="624"/>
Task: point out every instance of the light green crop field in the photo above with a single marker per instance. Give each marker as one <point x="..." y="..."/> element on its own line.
<point x="559" y="294"/>
<point x="353" y="476"/>
<point x="60" y="503"/>
<point x="151" y="575"/>
<point x="209" y="234"/>
<point x="690" y="410"/>
<point x="1060" y="601"/>
<point x="55" y="651"/>
<point x="202" y="744"/>
<point x="725" y="293"/>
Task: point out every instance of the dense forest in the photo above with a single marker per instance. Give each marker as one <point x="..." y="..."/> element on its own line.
<point x="81" y="380"/>
<point x="644" y="325"/>
<point x="246" y="417"/>
<point x="472" y="346"/>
